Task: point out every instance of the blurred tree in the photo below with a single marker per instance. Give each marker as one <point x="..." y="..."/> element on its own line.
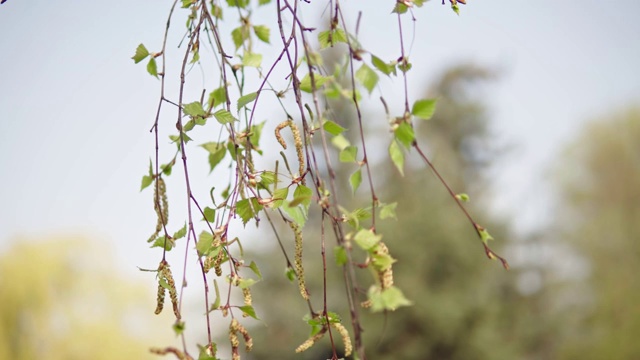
<point x="600" y="185"/>
<point x="63" y="299"/>
<point x="465" y="307"/>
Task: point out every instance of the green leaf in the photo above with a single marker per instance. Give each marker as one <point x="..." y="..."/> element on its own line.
<point x="455" y="9"/>
<point x="263" y="2"/>
<point x="382" y="261"/>
<point x="254" y="267"/>
<point x="354" y="217"/>
<point x="249" y="310"/>
<point x="279" y="196"/>
<point x="484" y="234"/>
<point x="205" y="242"/>
<point x="355" y="180"/>
<point x="340" y="142"/>
<point x="424" y="109"/>
<point x="381" y="65"/>
<point x="224" y="117"/>
<point x="367" y="77"/>
<point x="161" y="243"/>
<point x="330" y="37"/>
<point x="152" y="68"/>
<point x="405" y="66"/>
<point x="404" y="133"/>
<point x="194" y="109"/>
<point x="246" y="283"/>
<point x="267" y="178"/>
<point x="388" y="211"/>
<point x="239" y="36"/>
<point x="210" y="214"/>
<point x="256" y="133"/>
<point x="217" y="97"/>
<point x="180" y="233"/>
<point x="146" y="181"/>
<point x="262" y="32"/>
<point x="341" y="255"/>
<point x="397" y="156"/>
<point x="178" y="327"/>
<point x="290" y="274"/>
<point x="297" y="213"/>
<point x="252" y="59"/>
<point x="217" y="151"/>
<point x="247" y="209"/>
<point x="302" y="195"/>
<point x="246" y="99"/>
<point x="332" y="128"/>
<point x="141" y="53"/>
<point x="238" y="3"/>
<point x="367" y="239"/>
<point x="388" y="299"/>
<point x="349" y="154"/>
<point x="305" y="83"/>
<point x="462" y="197"/>
<point x="400" y="8"/>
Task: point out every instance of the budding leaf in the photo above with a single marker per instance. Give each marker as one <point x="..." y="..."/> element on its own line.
<point x="424" y="109"/>
<point x="141" y="53"/>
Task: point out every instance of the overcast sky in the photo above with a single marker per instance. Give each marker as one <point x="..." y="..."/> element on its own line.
<point x="75" y="111"/>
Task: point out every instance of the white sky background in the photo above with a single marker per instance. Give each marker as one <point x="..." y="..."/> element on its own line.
<point x="75" y="111"/>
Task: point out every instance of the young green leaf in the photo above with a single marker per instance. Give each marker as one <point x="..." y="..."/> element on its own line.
<point x="329" y="38"/>
<point x="381" y="65"/>
<point x="397" y="156"/>
<point x="205" y="242"/>
<point x="152" y="68"/>
<point x="238" y="3"/>
<point x="224" y="117"/>
<point x="180" y="233"/>
<point x="217" y="151"/>
<point x="252" y="59"/>
<point x="367" y="239"/>
<point x="388" y="211"/>
<point x="349" y="154"/>
<point x="146" y="181"/>
<point x="462" y="197"/>
<point x="367" y="77"/>
<point x="290" y="274"/>
<point x="194" y="109"/>
<point x="262" y="32"/>
<point x="217" y="97"/>
<point x="387" y="299"/>
<point x="424" y="109"/>
<point x="301" y="196"/>
<point x="141" y="53"/>
<point x="249" y="310"/>
<point x="246" y="99"/>
<point x="340" y="254"/>
<point x="484" y="234"/>
<point x="305" y="83"/>
<point x="355" y="180"/>
<point x="404" y="133"/>
<point x="279" y="195"/>
<point x="332" y="128"/>
<point x="210" y="214"/>
<point x="247" y="209"/>
<point x="340" y="142"/>
<point x="239" y="36"/>
<point x="254" y="267"/>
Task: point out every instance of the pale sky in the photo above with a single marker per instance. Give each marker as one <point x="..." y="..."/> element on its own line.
<point x="75" y="111"/>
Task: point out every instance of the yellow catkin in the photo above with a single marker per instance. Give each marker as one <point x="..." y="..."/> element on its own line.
<point x="160" y="205"/>
<point x="233" y="339"/>
<point x="208" y="264"/>
<point x="170" y="350"/>
<point x="161" y="289"/>
<point x="246" y="294"/>
<point x="385" y="275"/>
<point x="279" y="137"/>
<point x="248" y="341"/>
<point x="298" y="260"/>
<point x="310" y="341"/>
<point x="298" y="143"/>
<point x="346" y="340"/>
<point x="173" y="293"/>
